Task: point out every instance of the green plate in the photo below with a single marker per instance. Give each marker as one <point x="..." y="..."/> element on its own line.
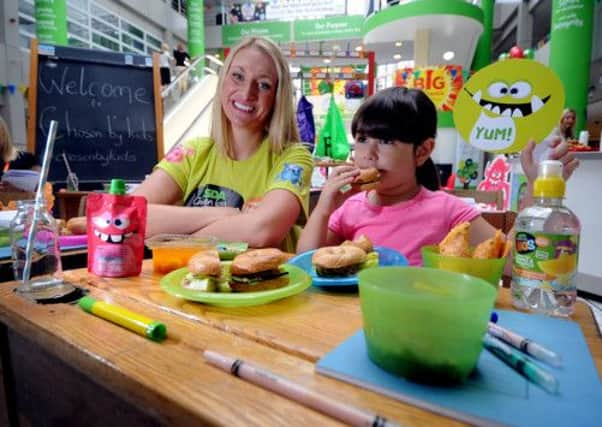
<point x="299" y="280"/>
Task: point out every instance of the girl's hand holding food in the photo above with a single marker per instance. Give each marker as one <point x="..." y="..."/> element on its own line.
<point x="337" y="189"/>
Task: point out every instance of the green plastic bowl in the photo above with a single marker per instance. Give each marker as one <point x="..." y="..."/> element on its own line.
<point x="424" y="324"/>
<point x="4" y="237"/>
<point x="490" y="270"/>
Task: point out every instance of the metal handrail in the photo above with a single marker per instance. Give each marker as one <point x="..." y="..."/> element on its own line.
<point x="184" y="81"/>
<point x="178" y="79"/>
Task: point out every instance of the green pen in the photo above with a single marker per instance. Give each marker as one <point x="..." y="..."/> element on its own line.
<point x="521" y="364"/>
<point x="142" y="325"/>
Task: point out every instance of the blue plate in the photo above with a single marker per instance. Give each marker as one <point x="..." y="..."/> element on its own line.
<point x="386" y="256"/>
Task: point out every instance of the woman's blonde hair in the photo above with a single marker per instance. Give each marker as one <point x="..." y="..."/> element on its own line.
<point x="7" y="151"/>
<point x="282" y="128"/>
<point x="568" y="111"/>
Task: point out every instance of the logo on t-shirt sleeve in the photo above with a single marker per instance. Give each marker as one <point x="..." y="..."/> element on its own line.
<point x="177" y="153"/>
<point x="215" y="195"/>
<point x="291" y="173"/>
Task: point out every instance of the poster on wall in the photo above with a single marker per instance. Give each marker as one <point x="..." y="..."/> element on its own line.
<point x="281" y="10"/>
<point x="518" y="191"/>
<point x="325" y="80"/>
<point x="441" y="83"/>
<point x="469" y="165"/>
<point x="246" y="11"/>
<point x="299" y="9"/>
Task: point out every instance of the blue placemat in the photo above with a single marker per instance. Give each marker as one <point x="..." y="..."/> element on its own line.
<point x="495" y="393"/>
<point x="5" y="251"/>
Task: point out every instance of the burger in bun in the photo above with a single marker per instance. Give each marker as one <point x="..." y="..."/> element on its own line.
<point x="333" y="261"/>
<point x="77" y="225"/>
<point x="205" y="272"/>
<point x="258" y="270"/>
<point x="367" y="179"/>
<point x="361" y="242"/>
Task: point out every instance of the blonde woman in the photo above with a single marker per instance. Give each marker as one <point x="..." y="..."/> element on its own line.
<point x="565" y="129"/>
<point x="249" y="181"/>
<point x="10" y="157"/>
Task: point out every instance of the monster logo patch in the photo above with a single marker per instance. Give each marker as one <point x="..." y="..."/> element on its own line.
<point x="292" y="174"/>
<point x="506" y="104"/>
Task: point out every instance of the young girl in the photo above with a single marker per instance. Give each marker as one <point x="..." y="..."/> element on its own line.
<point x="394" y="132"/>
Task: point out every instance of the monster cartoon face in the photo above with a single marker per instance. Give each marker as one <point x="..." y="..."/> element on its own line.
<point x="506" y="104"/>
<point x="292" y="173"/>
<point x="115" y="226"/>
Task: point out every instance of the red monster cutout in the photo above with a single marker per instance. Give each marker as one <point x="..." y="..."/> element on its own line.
<point x="497" y="177"/>
<point x="116" y="228"/>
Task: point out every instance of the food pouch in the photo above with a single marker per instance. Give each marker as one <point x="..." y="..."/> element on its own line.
<point x="116" y="225"/>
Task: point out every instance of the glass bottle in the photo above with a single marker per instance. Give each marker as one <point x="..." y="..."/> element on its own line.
<point x="546" y="247"/>
<point x="45" y="269"/>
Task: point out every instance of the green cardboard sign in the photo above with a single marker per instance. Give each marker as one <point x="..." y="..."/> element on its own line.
<point x="333" y="28"/>
<point x="276" y="31"/>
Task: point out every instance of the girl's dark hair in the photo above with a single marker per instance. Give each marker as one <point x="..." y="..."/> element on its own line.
<point x="402" y="114"/>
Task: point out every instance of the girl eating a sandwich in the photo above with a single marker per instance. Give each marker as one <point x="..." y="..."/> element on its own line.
<point x="394" y="132"/>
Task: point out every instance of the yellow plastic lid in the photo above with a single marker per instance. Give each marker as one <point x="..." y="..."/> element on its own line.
<point x="549" y="182"/>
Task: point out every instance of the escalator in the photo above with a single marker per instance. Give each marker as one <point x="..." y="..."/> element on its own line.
<point x="187" y="102"/>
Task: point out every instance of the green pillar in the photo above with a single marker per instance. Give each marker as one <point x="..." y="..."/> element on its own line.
<point x="51" y="21"/>
<point x="196" y="31"/>
<point x="571" y="51"/>
<point x="482" y="56"/>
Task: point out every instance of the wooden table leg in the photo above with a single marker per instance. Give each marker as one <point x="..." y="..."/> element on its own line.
<point x="8" y="412"/>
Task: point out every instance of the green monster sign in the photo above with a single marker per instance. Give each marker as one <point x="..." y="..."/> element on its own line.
<point x="51" y="21"/>
<point x="571" y="50"/>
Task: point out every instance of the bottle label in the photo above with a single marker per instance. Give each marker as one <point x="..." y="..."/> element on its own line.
<point x="545" y="260"/>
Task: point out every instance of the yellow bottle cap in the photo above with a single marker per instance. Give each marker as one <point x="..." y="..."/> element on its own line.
<point x="549" y="182"/>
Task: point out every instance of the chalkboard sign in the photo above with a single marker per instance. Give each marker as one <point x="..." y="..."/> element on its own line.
<point x="108" y="108"/>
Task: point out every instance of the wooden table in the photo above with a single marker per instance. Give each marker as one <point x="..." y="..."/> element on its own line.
<point x="75" y="368"/>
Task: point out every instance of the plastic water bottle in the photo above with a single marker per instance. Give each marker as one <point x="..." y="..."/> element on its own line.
<point x="546" y="247"/>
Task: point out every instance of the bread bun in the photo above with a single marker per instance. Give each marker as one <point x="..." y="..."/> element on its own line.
<point x="338" y="256"/>
<point x="367" y="179"/>
<point x="257" y="260"/>
<point x="264" y="285"/>
<point x="361" y="242"/>
<point x="205" y="262"/>
<point x="77" y="225"/>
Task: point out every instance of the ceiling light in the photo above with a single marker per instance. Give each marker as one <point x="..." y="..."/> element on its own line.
<point x="449" y="55"/>
<point x="398" y="44"/>
<point x="397" y="56"/>
<point x="327" y="61"/>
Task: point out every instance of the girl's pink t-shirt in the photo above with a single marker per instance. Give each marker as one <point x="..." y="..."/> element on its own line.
<point x="405" y="226"/>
